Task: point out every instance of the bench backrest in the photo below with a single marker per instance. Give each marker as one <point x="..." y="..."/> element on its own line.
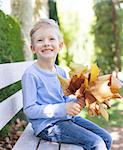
<point x="9" y="74"/>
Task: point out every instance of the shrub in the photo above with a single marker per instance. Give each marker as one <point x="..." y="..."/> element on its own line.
<point x="11" y="43"/>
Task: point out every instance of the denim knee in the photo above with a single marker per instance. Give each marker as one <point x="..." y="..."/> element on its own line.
<point x="97" y="144"/>
<point x="108" y="141"/>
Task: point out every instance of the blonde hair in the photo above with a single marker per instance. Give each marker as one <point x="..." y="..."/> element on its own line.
<point x="50" y="23"/>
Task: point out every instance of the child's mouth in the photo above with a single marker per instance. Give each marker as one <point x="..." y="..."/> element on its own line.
<point x="47" y="50"/>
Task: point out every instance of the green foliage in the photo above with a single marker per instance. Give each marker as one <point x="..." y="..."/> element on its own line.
<point x="9" y="90"/>
<point x="65" y="58"/>
<point x="69" y="25"/>
<point x="52" y="10"/>
<point x="11" y="43"/>
<point x="107" y="31"/>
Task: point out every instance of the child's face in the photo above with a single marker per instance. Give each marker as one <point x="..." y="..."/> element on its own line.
<point x="46" y="43"/>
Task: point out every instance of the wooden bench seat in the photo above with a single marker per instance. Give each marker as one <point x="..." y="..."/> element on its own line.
<point x="28" y="140"/>
<point x="9" y="74"/>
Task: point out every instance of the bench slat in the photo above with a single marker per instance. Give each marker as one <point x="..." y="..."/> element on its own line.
<point x="46" y="145"/>
<point x="10" y="107"/>
<point x="70" y="147"/>
<point x="12" y="72"/>
<point x="27" y="141"/>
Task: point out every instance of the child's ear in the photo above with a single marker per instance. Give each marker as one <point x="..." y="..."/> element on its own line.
<point x="61" y="45"/>
<point x="32" y="48"/>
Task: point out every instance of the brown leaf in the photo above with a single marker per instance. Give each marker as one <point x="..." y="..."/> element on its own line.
<point x="64" y="83"/>
<point x="75" y="83"/>
<point x="81" y="102"/>
<point x="89" y="96"/>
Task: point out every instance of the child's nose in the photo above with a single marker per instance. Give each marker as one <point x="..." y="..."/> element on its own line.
<point x="46" y="42"/>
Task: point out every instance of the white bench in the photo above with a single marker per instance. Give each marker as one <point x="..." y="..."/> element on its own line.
<point x="9" y="74"/>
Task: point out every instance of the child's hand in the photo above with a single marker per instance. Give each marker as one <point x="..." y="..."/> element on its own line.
<point x="73" y="108"/>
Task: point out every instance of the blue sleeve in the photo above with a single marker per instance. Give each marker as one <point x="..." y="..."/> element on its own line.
<point x="32" y="108"/>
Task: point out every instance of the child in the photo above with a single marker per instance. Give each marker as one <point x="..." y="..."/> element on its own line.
<point x="53" y="115"/>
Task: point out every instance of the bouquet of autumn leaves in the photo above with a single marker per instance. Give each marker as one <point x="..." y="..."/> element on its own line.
<point x="93" y="91"/>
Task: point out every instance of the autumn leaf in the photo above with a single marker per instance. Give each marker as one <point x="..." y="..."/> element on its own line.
<point x="75" y="83"/>
<point x="81" y="102"/>
<point x="101" y="90"/>
<point x="103" y="112"/>
<point x="64" y="83"/>
<point x="107" y="103"/>
<point x="77" y="69"/>
<point x="94" y="73"/>
<point x="92" y="90"/>
<point x="115" y="84"/>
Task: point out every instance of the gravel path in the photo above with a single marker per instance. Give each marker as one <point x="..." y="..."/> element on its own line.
<point x="117" y="136"/>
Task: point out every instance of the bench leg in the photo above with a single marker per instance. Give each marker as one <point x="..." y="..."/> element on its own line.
<point x="59" y="146"/>
<point x="38" y="144"/>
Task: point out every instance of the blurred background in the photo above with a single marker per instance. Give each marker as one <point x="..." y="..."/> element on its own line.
<point x="93" y="33"/>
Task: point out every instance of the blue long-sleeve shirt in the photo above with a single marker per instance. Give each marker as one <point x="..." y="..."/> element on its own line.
<point x="43" y="98"/>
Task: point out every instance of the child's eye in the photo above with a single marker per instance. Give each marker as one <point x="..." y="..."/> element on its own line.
<point x="40" y="40"/>
<point x="52" y="39"/>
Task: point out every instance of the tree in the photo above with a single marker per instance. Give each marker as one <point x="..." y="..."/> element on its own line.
<point x="107" y="31"/>
<point x="41" y="9"/>
<point x="23" y="11"/>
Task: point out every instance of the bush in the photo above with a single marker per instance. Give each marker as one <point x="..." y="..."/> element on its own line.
<point x="11" y="43"/>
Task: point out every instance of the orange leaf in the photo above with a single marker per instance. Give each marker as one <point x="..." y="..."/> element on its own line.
<point x="115" y="84"/>
<point x="101" y="90"/>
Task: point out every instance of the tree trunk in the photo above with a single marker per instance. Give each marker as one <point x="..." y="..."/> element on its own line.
<point x="41" y="9"/>
<point x="23" y="11"/>
<point x="116" y="32"/>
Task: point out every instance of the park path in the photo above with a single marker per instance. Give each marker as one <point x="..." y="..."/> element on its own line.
<point x="117" y="136"/>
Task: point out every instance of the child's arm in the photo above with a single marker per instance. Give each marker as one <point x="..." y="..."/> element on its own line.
<point x="35" y="110"/>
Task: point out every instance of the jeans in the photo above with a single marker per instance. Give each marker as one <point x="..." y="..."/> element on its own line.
<point x="78" y="131"/>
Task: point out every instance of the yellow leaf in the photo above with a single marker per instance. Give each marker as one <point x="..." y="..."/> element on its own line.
<point x="86" y="82"/>
<point x="64" y="83"/>
<point x="77" y="69"/>
<point x="94" y="72"/>
<point x="103" y="112"/>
